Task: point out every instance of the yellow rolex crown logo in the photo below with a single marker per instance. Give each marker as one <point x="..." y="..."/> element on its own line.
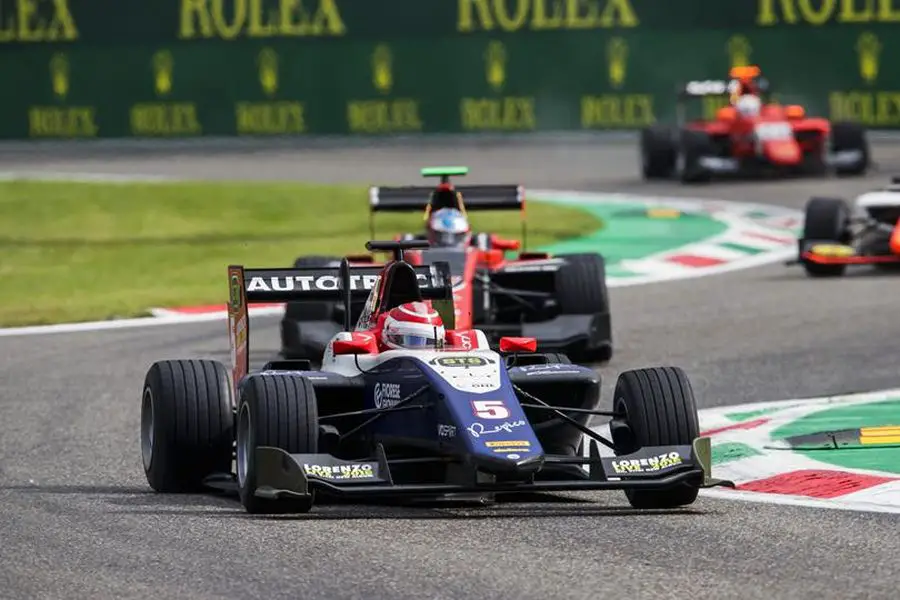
<point x="739" y="51"/>
<point x="382" y="75"/>
<point x="495" y="65"/>
<point x="59" y="75"/>
<point x="868" y="47"/>
<point x="617" y="57"/>
<point x="162" y="72"/>
<point x="268" y="70"/>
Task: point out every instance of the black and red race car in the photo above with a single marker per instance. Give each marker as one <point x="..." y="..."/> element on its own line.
<point x="560" y="300"/>
<point x="779" y="140"/>
<point x="838" y="233"/>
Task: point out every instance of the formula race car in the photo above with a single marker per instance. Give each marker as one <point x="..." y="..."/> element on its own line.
<point x="836" y="235"/>
<point x="452" y="417"/>
<point x="561" y="300"/>
<point x="779" y="140"/>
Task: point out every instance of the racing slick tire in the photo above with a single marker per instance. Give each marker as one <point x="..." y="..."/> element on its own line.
<point x="187" y="424"/>
<point x="826" y="219"/>
<point x="693" y="146"/>
<point x="850" y="137"/>
<point x="658" y="409"/>
<point x="581" y="290"/>
<point x="307" y="310"/>
<point x="657" y="152"/>
<point x="281" y="412"/>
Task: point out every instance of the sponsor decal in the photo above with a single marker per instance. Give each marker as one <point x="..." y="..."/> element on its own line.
<point x="706" y="88"/>
<point x="832" y="250"/>
<point x="235" y="295"/>
<point x="513" y="456"/>
<point x="507" y="443"/>
<point x="460" y="361"/>
<point x="387" y="394"/>
<point x="465" y="341"/>
<point x="446" y="431"/>
<point x="490" y="409"/>
<point x="337" y="472"/>
<point x="324" y="283"/>
<point x="551" y="369"/>
<point x="647" y="465"/>
<point x="550" y="264"/>
<point x="478" y="429"/>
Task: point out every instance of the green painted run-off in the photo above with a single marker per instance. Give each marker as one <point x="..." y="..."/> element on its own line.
<point x="629" y="233"/>
<point x="850" y="417"/>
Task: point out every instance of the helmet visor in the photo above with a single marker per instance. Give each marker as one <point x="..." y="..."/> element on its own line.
<point x="447" y="238"/>
<point x="410" y="341"/>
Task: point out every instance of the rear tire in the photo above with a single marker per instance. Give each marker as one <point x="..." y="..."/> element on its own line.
<point x="278" y="411"/>
<point x="187" y="424"/>
<point x="298" y="312"/>
<point x="659" y="408"/>
<point x="581" y="290"/>
<point x="826" y="219"/>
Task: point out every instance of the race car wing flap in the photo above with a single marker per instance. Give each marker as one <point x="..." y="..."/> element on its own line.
<point x="473" y="197"/>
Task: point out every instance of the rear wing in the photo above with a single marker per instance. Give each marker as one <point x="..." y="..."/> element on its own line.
<point x="413" y="198"/>
<point x="706" y="87"/>
<point x="346" y="283"/>
<point x="465" y="198"/>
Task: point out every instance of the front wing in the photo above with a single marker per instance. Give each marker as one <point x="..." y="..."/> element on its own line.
<point x="831" y="253"/>
<point x="283" y="475"/>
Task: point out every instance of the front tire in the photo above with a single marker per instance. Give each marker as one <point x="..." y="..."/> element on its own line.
<point x="278" y="411"/>
<point x="828" y="220"/>
<point x="659" y="410"/>
<point x="187" y="424"/>
<point x="657" y="152"/>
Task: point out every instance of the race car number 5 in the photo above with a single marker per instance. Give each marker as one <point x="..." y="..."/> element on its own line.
<point x="490" y="409"/>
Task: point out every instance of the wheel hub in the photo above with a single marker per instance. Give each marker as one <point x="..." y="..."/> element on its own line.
<point x="243" y="444"/>
<point x="147" y="427"/>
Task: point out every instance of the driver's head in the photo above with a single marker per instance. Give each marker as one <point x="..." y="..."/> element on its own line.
<point x="448" y="228"/>
<point x="748" y="105"/>
<point x="414" y="325"/>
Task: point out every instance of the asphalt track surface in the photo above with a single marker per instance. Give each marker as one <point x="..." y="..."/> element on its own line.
<point x="77" y="518"/>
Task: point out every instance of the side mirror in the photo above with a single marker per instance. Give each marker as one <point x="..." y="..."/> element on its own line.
<point x="518" y="344"/>
<point x="344" y="347"/>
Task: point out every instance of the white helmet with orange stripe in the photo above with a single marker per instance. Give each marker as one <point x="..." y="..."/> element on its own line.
<point x="413" y="325"/>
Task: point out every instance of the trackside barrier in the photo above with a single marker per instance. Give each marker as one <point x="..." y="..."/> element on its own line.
<point x="189" y="68"/>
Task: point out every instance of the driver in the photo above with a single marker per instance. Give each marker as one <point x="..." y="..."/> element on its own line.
<point x="744" y="90"/>
<point x="414" y="325"/>
<point x="448" y="228"/>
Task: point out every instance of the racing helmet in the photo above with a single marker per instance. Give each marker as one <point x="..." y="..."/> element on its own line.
<point x="448" y="228"/>
<point x="748" y="105"/>
<point x="413" y="325"/>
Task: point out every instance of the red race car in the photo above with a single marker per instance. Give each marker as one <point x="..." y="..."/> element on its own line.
<point x="750" y="136"/>
<point x="561" y="300"/>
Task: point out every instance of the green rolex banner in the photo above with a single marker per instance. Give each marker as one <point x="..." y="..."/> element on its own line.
<point x="189" y="68"/>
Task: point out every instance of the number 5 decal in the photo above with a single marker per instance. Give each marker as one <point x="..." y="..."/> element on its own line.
<point x="490" y="409"/>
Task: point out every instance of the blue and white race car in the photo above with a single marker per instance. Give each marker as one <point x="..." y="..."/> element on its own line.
<point x="455" y="417"/>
